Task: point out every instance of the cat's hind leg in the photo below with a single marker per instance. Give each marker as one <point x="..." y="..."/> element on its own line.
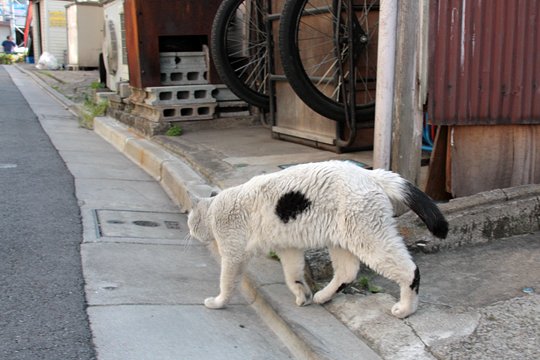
<point x="392" y="260"/>
<point x="230" y="270"/>
<point x="292" y="261"/>
<point x="345" y="267"/>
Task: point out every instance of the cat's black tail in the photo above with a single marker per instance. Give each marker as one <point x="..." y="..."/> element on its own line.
<point x="426" y="210"/>
<point x="401" y="190"/>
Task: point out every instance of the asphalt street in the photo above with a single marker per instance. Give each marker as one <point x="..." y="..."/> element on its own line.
<point x="42" y="303"/>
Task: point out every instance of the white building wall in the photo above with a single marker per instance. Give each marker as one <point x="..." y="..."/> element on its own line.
<point x="54" y="28"/>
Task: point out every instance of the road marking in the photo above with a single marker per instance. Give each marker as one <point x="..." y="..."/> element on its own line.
<point x="8" y="166"/>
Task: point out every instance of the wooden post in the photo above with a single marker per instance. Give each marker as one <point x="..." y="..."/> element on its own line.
<point x="386" y="55"/>
<point x="407" y="125"/>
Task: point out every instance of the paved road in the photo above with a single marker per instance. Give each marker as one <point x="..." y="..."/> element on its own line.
<point x="42" y="303"/>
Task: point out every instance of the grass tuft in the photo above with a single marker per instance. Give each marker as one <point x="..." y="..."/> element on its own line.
<point x="174" y="130"/>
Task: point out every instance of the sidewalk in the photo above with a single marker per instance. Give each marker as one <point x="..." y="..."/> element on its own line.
<point x="472" y="299"/>
<point x="144" y="281"/>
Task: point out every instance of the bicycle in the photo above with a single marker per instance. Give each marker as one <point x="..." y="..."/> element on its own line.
<point x="327" y="48"/>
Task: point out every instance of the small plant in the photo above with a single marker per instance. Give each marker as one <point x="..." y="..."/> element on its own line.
<point x="273" y="255"/>
<point x="174" y="130"/>
<point x="97" y="85"/>
<point x="364" y="283"/>
<point x="11" y="58"/>
<point x="92" y="110"/>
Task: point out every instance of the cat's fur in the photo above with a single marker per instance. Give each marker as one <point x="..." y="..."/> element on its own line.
<point x="332" y="204"/>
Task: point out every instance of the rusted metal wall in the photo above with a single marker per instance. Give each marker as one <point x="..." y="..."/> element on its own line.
<point x="148" y="20"/>
<point x="484" y="62"/>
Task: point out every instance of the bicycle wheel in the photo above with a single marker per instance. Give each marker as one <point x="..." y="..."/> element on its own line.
<point x="317" y="39"/>
<point x="239" y="51"/>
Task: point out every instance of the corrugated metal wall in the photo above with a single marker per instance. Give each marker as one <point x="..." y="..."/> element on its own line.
<point x="484" y="62"/>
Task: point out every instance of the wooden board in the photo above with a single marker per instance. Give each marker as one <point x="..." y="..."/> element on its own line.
<point x="294" y="114"/>
<point x="492" y="157"/>
<point x="295" y="118"/>
<point x="436" y="180"/>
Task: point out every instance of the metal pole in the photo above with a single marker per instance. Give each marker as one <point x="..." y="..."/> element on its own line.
<point x="12" y="21"/>
<point x="386" y="57"/>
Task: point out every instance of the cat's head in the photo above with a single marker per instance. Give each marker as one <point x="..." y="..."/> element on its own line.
<point x="198" y="221"/>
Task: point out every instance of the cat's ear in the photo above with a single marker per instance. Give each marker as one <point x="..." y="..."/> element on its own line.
<point x="194" y="199"/>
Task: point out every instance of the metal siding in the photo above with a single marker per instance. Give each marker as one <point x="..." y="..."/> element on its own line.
<point x="484" y="62"/>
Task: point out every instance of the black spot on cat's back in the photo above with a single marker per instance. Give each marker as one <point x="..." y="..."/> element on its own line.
<point x="291" y="204"/>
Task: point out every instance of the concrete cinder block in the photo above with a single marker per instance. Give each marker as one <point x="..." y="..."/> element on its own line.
<point x="124" y="90"/>
<point x="174" y="95"/>
<point x="203" y="111"/>
<point x="223" y="93"/>
<point x="103" y="96"/>
<point x="227" y="109"/>
<point x="184" y="68"/>
<point x="176" y="60"/>
<point x="184" y="76"/>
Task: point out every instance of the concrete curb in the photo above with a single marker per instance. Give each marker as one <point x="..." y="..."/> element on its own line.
<point x="72" y="107"/>
<point x="479" y="218"/>
<point x="179" y="181"/>
<point x="306" y="336"/>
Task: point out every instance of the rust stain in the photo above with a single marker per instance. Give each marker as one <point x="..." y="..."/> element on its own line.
<point x="484" y="67"/>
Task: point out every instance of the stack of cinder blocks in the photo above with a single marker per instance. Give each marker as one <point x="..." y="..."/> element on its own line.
<point x="229" y="105"/>
<point x="183" y="68"/>
<point x="186" y="94"/>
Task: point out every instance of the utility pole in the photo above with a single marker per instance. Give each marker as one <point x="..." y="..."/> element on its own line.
<point x="384" y="97"/>
<point x="12" y="21"/>
<point x="408" y="115"/>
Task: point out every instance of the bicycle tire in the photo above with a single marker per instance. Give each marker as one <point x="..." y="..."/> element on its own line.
<point x="293" y="21"/>
<point x="247" y="81"/>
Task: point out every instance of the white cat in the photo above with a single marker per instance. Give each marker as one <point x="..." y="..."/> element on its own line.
<point x="332" y="204"/>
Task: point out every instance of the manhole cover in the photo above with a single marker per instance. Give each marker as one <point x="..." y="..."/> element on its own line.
<point x="115" y="222"/>
<point x="145" y="223"/>
<point x="140" y="224"/>
<point x="172" y="224"/>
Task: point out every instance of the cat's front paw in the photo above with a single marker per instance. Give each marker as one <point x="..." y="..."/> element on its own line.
<point x="303" y="294"/>
<point x="401" y="310"/>
<point x="214" y="303"/>
<point x="304" y="300"/>
<point x="321" y="297"/>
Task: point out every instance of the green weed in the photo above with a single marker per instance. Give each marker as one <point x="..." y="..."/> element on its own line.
<point x="11" y="58"/>
<point x="90" y="111"/>
<point x="97" y="85"/>
<point x="365" y="284"/>
<point x="174" y="130"/>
